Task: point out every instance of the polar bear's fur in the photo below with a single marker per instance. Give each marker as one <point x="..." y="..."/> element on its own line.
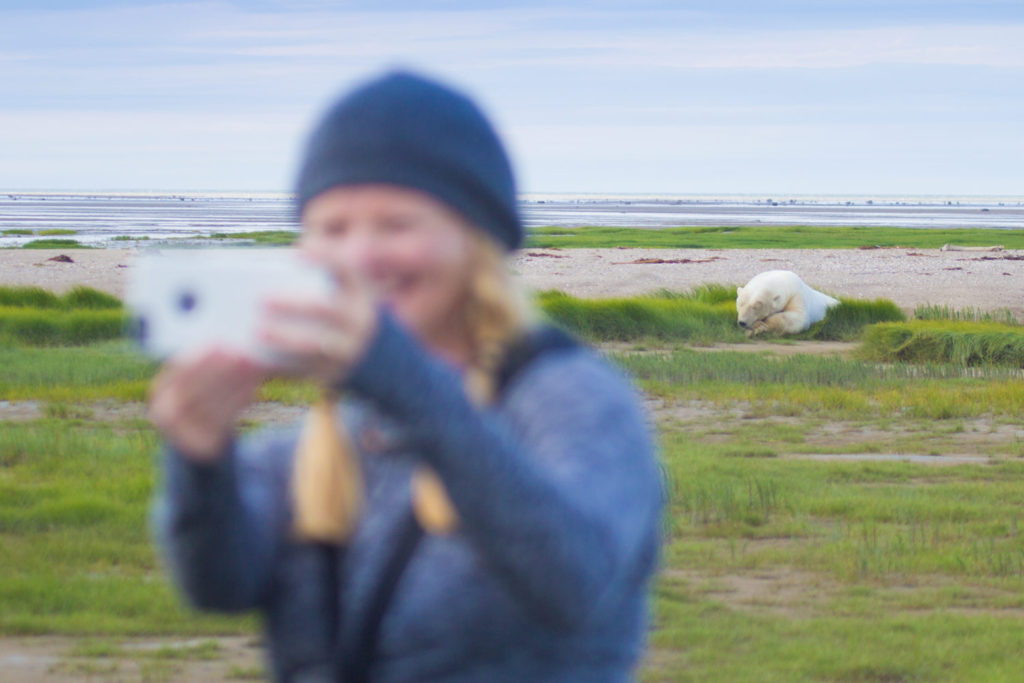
<point x="779" y="302"/>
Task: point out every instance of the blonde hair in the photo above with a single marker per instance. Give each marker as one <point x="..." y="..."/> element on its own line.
<point x="327" y="486"/>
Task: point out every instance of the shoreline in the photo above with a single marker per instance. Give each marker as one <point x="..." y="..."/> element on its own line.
<point x="909" y="277"/>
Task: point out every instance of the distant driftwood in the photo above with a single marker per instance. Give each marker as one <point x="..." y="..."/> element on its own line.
<point x="954" y="247"/>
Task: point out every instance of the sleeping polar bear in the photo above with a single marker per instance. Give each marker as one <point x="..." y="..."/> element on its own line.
<point x="779" y="302"/>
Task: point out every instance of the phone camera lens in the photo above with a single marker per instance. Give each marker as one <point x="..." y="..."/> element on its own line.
<point x="140" y="329"/>
<point x="186" y="301"/>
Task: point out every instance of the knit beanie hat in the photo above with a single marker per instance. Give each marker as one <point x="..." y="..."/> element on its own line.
<point x="403" y="129"/>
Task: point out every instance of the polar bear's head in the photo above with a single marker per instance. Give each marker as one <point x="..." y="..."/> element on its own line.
<point x="755" y="304"/>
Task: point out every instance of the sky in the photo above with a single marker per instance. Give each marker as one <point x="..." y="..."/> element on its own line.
<point x="894" y="97"/>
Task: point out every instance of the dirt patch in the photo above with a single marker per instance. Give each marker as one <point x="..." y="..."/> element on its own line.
<point x="916" y="458"/>
<point x="976" y="437"/>
<point x="782" y="349"/>
<point x="268" y="413"/>
<point x="657" y="261"/>
<point x="703" y="412"/>
<point x="794" y="348"/>
<point x="50" y="659"/>
<point x="780" y="591"/>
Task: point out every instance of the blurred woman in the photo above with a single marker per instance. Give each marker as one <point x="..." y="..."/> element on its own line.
<point x="483" y="503"/>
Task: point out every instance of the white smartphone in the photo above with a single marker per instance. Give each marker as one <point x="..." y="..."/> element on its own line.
<point x="191" y="298"/>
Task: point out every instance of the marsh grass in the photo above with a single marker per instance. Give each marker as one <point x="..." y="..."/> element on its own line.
<point x="704" y="315"/>
<point x="888" y="571"/>
<point x="76" y="298"/>
<point x="847" y="321"/>
<point x="38" y="317"/>
<point x="675" y="317"/>
<point x="828" y="386"/>
<point x="770" y="237"/>
<point x="937" y="312"/>
<point x="56" y="232"/>
<point x="109" y="370"/>
<point x="946" y="341"/>
<point x="76" y="552"/>
<point x="906" y="572"/>
<point x="269" y="238"/>
<point x="49" y="327"/>
<point x="55" y="243"/>
<point x="16" y="232"/>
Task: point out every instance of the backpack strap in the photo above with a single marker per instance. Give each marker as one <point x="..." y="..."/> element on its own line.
<point x="355" y="667"/>
<point x="523" y="351"/>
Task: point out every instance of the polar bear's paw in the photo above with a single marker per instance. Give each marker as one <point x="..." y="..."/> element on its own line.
<point x="757" y="327"/>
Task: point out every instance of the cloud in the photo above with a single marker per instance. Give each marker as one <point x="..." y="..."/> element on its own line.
<point x="598" y="95"/>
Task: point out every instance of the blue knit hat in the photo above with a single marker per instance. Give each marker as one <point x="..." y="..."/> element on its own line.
<point x="402" y="129"/>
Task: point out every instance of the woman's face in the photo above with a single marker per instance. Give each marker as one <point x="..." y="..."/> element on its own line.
<point x="415" y="252"/>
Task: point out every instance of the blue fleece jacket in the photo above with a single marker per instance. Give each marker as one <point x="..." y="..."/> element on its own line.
<point x="559" y="502"/>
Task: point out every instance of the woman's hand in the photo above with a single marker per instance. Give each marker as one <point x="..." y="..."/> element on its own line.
<point x="195" y="400"/>
<point x="322" y="340"/>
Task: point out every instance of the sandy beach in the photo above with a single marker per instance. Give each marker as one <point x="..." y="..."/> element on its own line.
<point x="910" y="277"/>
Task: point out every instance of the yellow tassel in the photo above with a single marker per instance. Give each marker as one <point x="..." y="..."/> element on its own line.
<point x="327" y="484"/>
<point x="495" y="316"/>
<point x="430" y="503"/>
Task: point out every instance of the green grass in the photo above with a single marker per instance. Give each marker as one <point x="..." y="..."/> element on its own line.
<point x="936" y="312"/>
<point x="702" y="316"/>
<point x="44" y="327"/>
<point x="896" y="571"/>
<point x="112" y="370"/>
<point x="848" y="320"/>
<point x="771" y="237"/>
<point x="962" y="343"/>
<point x="75" y="551"/>
<point x="76" y="298"/>
<point x="15" y="232"/>
<point x="828" y="387"/>
<point x="55" y="243"/>
<point x="659" y="317"/>
<point x="885" y="571"/>
<point x="130" y="238"/>
<point x="56" y="232"/>
<point x="272" y="238"/>
<point x="109" y="370"/>
<point x="38" y="317"/>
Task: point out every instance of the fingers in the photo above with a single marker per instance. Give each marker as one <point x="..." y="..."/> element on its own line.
<point x="195" y="400"/>
<point x="282" y="307"/>
<point x="321" y="339"/>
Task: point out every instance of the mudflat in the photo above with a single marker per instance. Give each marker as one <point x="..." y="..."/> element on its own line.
<point x="909" y="277"/>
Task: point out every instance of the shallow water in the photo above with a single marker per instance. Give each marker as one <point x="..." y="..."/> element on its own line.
<point x="98" y="218"/>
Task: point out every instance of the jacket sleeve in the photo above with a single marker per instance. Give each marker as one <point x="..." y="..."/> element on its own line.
<point x="220" y="525"/>
<point x="558" y="489"/>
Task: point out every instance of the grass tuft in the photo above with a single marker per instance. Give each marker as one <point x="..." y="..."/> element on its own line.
<point x="935" y="312"/>
<point x="54" y="243"/>
<point x="938" y="341"/>
<point x="34" y="297"/>
<point x="89" y="298"/>
<point x="38" y="317"/>
<point x="45" y="327"/>
<point x="270" y="238"/>
<point x="680" y="318"/>
<point x="77" y="298"/>
<point x="846" y="321"/>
